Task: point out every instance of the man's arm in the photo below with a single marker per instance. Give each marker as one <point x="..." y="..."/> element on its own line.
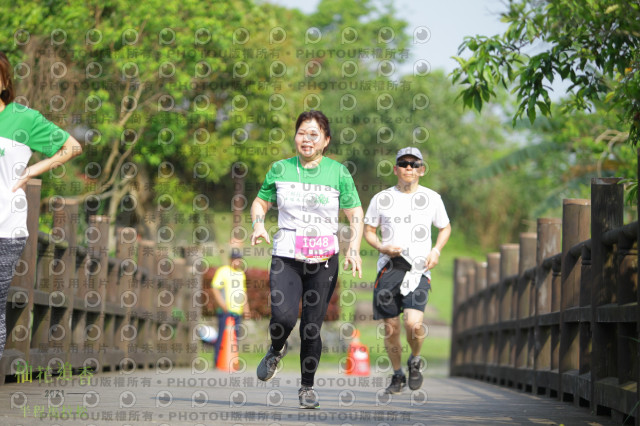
<point x="434" y="256"/>
<point x="217" y="297"/>
<point x="371" y="236"/>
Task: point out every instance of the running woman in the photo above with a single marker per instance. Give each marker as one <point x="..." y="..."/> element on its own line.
<point x="309" y="191"/>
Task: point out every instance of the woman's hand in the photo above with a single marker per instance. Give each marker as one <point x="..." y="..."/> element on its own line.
<point x="258" y="211"/>
<point x="259" y="232"/>
<point x="22" y="181"/>
<point x="353" y="259"/>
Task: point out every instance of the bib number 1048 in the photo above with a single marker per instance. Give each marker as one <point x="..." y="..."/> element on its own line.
<point x="314" y="249"/>
<point x="316" y="242"/>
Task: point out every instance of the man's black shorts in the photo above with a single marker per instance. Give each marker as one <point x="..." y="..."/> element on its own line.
<point x="388" y="302"/>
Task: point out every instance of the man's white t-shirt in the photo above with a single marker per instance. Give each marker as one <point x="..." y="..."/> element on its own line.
<point x="405" y="220"/>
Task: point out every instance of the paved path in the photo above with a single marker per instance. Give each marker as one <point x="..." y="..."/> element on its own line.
<point x="181" y="397"/>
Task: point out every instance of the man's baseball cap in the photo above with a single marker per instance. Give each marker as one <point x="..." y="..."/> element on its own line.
<point x="409" y="151"/>
<point x="236" y="254"/>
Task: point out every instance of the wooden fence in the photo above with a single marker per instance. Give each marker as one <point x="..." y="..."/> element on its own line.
<point x="558" y="313"/>
<point x="75" y="306"/>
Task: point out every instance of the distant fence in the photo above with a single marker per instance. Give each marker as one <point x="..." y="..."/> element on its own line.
<point x="76" y="306"/>
<point x="557" y="314"/>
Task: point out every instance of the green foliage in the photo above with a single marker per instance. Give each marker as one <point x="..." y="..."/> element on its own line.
<point x="593" y="45"/>
<point x="180" y="103"/>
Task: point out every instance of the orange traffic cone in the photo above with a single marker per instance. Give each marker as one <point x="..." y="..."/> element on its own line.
<point x="358" y="357"/>
<point x="228" y="356"/>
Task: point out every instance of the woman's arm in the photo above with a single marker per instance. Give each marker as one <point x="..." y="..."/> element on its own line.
<point x="259" y="209"/>
<point x="356" y="222"/>
<point x="70" y="149"/>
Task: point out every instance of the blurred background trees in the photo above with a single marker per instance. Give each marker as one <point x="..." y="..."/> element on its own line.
<point x="183" y="108"/>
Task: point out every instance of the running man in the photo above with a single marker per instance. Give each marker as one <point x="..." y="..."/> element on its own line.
<point x="405" y="214"/>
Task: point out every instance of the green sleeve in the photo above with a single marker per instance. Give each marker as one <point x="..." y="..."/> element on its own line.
<point x="46" y="137"/>
<point x="268" y="189"/>
<point x="348" y="193"/>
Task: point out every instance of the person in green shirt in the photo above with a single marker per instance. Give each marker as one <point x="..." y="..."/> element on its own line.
<point x="22" y="131"/>
<point x="309" y="190"/>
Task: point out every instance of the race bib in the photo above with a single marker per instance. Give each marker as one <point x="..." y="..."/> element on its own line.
<point x="314" y="249"/>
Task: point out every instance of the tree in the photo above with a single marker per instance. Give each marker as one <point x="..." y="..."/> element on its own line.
<point x="145" y="85"/>
<point x="591" y="43"/>
<point x="178" y="104"/>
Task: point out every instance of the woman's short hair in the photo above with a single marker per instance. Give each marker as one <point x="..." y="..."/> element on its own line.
<point x="320" y="118"/>
<point x="7" y="95"/>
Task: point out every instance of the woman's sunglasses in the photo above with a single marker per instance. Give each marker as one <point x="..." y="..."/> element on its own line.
<point x="413" y="164"/>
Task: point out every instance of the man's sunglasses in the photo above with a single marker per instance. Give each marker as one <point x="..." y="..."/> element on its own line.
<point x="413" y="164"/>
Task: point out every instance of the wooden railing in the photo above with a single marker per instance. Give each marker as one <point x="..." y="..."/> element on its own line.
<point x="76" y="306"/>
<point x="557" y="314"/>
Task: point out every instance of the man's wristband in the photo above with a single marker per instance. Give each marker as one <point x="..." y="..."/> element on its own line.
<point x="256" y="221"/>
<point x="437" y="251"/>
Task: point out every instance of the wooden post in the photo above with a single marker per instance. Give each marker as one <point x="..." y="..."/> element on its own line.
<point x="164" y="300"/>
<point x="65" y="223"/>
<point x="583" y="391"/>
<point x="481" y="284"/>
<point x="123" y="290"/>
<point x="607" y="214"/>
<point x="469" y="297"/>
<point x="480" y="318"/>
<point x="627" y="288"/>
<point x="482" y="315"/>
<point x="180" y="309"/>
<point x="461" y="267"/>
<point x="194" y="261"/>
<point x="509" y="256"/>
<point x="146" y="308"/>
<point x="96" y="295"/>
<point x="524" y="332"/>
<point x="576" y="216"/>
<point x="549" y="244"/>
<point x="528" y="243"/>
<point x="576" y="225"/>
<point x="493" y="280"/>
<point x="493" y="284"/>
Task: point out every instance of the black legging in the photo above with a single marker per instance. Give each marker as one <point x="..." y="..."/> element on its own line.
<point x="291" y="280"/>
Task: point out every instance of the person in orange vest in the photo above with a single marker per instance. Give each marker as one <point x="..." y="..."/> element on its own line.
<point x="405" y="213"/>
<point x="230" y="294"/>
